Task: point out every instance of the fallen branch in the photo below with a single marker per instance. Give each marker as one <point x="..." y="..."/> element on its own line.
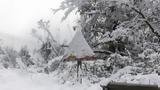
<point x="103" y="51"/>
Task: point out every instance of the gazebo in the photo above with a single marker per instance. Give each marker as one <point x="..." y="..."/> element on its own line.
<point x="78" y="50"/>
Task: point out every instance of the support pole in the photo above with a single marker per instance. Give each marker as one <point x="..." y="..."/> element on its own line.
<point x="79" y="66"/>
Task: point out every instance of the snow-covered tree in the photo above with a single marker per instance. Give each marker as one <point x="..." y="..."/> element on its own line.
<point x="9" y="58"/>
<point x="25" y="56"/>
<point x="124" y="27"/>
<point x="101" y="17"/>
<point x="50" y="48"/>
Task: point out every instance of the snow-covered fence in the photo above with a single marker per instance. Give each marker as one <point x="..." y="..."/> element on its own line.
<point x="127" y="86"/>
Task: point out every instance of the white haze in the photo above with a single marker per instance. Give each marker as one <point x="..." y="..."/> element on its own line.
<point x="18" y="17"/>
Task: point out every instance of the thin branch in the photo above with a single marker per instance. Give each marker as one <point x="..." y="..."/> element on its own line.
<point x="146" y="21"/>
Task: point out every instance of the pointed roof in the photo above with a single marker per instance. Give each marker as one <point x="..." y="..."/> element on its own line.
<point x="79" y="47"/>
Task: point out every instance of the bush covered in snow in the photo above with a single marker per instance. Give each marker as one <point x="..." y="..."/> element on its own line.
<point x="8" y="57"/>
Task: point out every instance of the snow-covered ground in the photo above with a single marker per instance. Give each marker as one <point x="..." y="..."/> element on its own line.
<point x="125" y="75"/>
<point x="13" y="79"/>
<point x="16" y="79"/>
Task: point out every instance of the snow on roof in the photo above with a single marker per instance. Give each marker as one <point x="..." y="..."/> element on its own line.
<point x="79" y="47"/>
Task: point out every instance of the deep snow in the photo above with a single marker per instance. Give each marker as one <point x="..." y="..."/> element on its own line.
<point x="13" y="79"/>
<point x="16" y="79"/>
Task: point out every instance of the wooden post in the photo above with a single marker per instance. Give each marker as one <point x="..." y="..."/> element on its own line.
<point x="79" y="66"/>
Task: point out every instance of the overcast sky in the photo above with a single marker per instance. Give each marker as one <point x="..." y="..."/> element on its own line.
<point x="18" y="17"/>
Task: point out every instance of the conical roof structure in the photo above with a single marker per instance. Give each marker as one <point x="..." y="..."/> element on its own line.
<point x="79" y="47"/>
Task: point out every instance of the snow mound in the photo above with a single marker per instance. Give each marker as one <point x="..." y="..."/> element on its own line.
<point x="125" y="75"/>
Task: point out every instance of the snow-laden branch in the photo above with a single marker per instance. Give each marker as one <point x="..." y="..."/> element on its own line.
<point x="145" y="20"/>
<point x="103" y="51"/>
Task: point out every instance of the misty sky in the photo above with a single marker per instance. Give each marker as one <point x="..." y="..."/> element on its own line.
<point x="18" y="17"/>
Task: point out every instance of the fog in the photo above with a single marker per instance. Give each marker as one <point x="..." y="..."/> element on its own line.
<point x="18" y="17"/>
